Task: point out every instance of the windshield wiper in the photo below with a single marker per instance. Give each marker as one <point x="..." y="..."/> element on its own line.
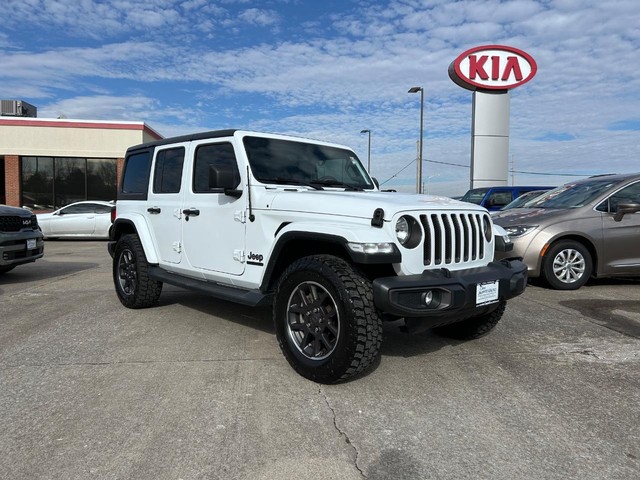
<point x="337" y="183"/>
<point x="290" y="181"/>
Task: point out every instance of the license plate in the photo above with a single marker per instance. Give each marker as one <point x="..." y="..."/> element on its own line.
<point x="487" y="292"/>
<point x="31" y="243"/>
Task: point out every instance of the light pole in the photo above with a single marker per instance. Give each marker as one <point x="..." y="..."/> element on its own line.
<point x="429" y="178"/>
<point x="421" y="90"/>
<point x="369" y="151"/>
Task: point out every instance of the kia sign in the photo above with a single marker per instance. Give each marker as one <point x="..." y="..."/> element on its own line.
<point x="492" y="67"/>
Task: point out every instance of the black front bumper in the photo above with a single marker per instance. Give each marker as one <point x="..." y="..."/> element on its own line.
<point x="453" y="293"/>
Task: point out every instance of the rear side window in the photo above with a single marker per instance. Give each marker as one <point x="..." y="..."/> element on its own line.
<point x="167" y="174"/>
<point x="215" y="154"/>
<point x="102" y="208"/>
<point x="135" y="180"/>
<point x="78" y="208"/>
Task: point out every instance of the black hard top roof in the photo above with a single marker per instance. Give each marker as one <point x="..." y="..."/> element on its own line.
<point x="185" y="138"/>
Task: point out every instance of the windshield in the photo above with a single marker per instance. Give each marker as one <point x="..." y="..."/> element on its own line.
<point x="475" y="196"/>
<point x="298" y="163"/>
<point x="573" y="195"/>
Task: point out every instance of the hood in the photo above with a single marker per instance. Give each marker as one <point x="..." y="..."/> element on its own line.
<point x="7" y="210"/>
<point x="532" y="216"/>
<point x="363" y="204"/>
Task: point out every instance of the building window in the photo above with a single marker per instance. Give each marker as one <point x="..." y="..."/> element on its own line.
<point x="37" y="182"/>
<point x="3" y="198"/>
<point x="53" y="182"/>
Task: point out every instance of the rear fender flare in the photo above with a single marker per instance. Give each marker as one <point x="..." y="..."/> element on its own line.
<point x="141" y="228"/>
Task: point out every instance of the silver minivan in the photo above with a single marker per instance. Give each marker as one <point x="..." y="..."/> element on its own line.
<point x="583" y="229"/>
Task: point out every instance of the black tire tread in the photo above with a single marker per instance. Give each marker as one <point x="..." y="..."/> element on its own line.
<point x="474" y="327"/>
<point x="360" y="297"/>
<point x="147" y="290"/>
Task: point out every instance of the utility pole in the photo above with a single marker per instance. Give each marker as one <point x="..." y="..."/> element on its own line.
<point x="513" y="170"/>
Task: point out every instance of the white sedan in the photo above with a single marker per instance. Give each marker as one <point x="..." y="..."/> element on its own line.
<point x="80" y="219"/>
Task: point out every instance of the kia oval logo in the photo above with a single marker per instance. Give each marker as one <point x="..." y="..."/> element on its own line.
<point x="26" y="221"/>
<point x="492" y="67"/>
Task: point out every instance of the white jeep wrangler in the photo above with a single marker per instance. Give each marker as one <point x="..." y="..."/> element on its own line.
<point x="264" y="219"/>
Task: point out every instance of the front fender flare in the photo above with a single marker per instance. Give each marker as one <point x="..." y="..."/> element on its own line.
<point x="336" y="235"/>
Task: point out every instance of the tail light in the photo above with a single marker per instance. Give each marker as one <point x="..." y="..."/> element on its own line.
<point x="113" y="214"/>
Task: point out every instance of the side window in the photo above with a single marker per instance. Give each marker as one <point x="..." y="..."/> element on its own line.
<point x="220" y="155"/>
<point x="499" y="199"/>
<point x="102" y="208"/>
<point x="629" y="194"/>
<point x="135" y="179"/>
<point x="167" y="175"/>
<point x="79" y="208"/>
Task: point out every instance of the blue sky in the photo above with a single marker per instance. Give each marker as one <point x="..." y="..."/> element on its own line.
<point x="329" y="69"/>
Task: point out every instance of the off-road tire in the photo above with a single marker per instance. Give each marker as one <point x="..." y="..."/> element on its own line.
<point x="134" y="287"/>
<point x="355" y="320"/>
<point x="474" y="327"/>
<point x="7" y="268"/>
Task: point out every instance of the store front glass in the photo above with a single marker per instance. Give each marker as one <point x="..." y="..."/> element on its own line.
<point x="3" y="198"/>
<point x="49" y="183"/>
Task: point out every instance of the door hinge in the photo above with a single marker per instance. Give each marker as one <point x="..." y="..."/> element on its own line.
<point x="240" y="216"/>
<point x="238" y="256"/>
<point x="177" y="247"/>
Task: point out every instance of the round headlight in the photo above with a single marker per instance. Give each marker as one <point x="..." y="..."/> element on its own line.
<point x="403" y="230"/>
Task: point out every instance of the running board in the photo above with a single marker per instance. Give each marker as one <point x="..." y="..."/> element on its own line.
<point x="253" y="298"/>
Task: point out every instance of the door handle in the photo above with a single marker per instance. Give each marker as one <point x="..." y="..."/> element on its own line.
<point x="153" y="210"/>
<point x="194" y="212"/>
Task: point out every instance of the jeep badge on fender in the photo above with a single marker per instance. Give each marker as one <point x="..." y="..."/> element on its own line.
<point x="338" y="256"/>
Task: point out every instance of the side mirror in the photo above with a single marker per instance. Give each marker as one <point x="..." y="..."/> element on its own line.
<point x="625" y="208"/>
<point x="376" y="182"/>
<point x="223" y="178"/>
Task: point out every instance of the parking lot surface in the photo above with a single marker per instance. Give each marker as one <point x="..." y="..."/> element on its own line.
<point x="197" y="388"/>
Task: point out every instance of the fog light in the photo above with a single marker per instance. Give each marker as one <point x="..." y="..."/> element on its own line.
<point x="427" y="297"/>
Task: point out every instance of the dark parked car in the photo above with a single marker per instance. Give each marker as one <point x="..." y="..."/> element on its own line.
<point x="20" y="238"/>
<point x="579" y="230"/>
<point x="523" y="201"/>
<point x="494" y="198"/>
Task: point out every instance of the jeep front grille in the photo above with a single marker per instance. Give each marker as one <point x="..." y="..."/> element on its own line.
<point x="452" y="238"/>
<point x="15" y="223"/>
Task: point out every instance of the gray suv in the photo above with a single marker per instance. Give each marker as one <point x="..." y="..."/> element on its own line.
<point x="588" y="228"/>
<point x="20" y="238"/>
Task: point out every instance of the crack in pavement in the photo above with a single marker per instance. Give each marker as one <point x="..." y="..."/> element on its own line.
<point x="342" y="433"/>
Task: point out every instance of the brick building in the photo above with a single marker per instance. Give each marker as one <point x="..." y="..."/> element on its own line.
<point x="48" y="163"/>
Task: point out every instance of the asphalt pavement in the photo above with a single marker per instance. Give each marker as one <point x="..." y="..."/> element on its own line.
<point x="196" y="388"/>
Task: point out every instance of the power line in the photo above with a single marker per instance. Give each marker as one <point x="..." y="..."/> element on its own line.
<point x="399" y="171"/>
<point x="553" y="174"/>
<point x="446" y="163"/>
<point x="467" y="166"/>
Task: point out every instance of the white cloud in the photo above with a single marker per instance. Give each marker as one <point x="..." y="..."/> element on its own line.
<point x="257" y="16"/>
<point x="169" y="54"/>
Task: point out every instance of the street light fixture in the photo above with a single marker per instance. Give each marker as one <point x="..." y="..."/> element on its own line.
<point x="419" y="180"/>
<point x="369" y="151"/>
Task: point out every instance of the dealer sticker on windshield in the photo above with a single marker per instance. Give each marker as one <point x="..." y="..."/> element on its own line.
<point x="487" y="292"/>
